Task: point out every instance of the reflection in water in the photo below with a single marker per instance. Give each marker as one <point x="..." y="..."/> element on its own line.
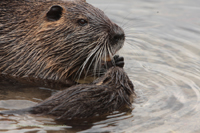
<point x="162" y="56"/>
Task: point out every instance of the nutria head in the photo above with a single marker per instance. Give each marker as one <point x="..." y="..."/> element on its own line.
<point x="55" y="40"/>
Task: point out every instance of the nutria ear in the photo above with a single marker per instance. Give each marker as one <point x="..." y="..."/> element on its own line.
<point x="81" y="0"/>
<point x="54" y="13"/>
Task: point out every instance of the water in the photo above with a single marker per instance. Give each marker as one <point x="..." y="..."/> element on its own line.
<point x="162" y="56"/>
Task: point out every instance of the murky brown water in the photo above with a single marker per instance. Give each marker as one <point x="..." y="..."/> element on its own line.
<point x="162" y="55"/>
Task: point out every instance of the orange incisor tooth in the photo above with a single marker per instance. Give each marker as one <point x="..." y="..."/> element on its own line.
<point x="106" y="59"/>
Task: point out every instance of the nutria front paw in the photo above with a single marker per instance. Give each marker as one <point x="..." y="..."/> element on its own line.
<point x="119" y="61"/>
<point x="116" y="61"/>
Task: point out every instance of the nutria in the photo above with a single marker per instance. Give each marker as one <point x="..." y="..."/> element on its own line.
<point x="64" y="41"/>
<point x="56" y="40"/>
<point x="113" y="91"/>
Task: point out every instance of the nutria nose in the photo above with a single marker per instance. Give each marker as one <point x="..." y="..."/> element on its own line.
<point x="119" y="37"/>
<point x="117" y="34"/>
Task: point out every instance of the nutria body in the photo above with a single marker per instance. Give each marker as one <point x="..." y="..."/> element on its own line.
<point x="111" y="92"/>
<point x="55" y="40"/>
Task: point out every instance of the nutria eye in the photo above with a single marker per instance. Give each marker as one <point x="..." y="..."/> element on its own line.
<point x="82" y="22"/>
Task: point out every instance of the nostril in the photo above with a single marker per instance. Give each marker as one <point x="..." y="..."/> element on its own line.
<point x="118" y="37"/>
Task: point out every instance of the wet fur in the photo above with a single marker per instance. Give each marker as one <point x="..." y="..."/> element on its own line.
<point x="113" y="91"/>
<point x="33" y="46"/>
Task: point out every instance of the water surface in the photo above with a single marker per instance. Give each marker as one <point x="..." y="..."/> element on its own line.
<point x="162" y="56"/>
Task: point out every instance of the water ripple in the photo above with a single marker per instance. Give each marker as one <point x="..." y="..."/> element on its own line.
<point x="162" y="56"/>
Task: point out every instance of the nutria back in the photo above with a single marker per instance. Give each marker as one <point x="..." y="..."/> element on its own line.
<point x="55" y="40"/>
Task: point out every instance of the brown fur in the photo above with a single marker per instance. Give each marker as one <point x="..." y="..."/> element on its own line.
<point x="33" y="46"/>
<point x="111" y="92"/>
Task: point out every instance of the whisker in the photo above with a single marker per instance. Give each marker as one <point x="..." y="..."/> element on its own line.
<point x="85" y="62"/>
<point x="110" y="53"/>
<point x="94" y="57"/>
<point x="97" y="61"/>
